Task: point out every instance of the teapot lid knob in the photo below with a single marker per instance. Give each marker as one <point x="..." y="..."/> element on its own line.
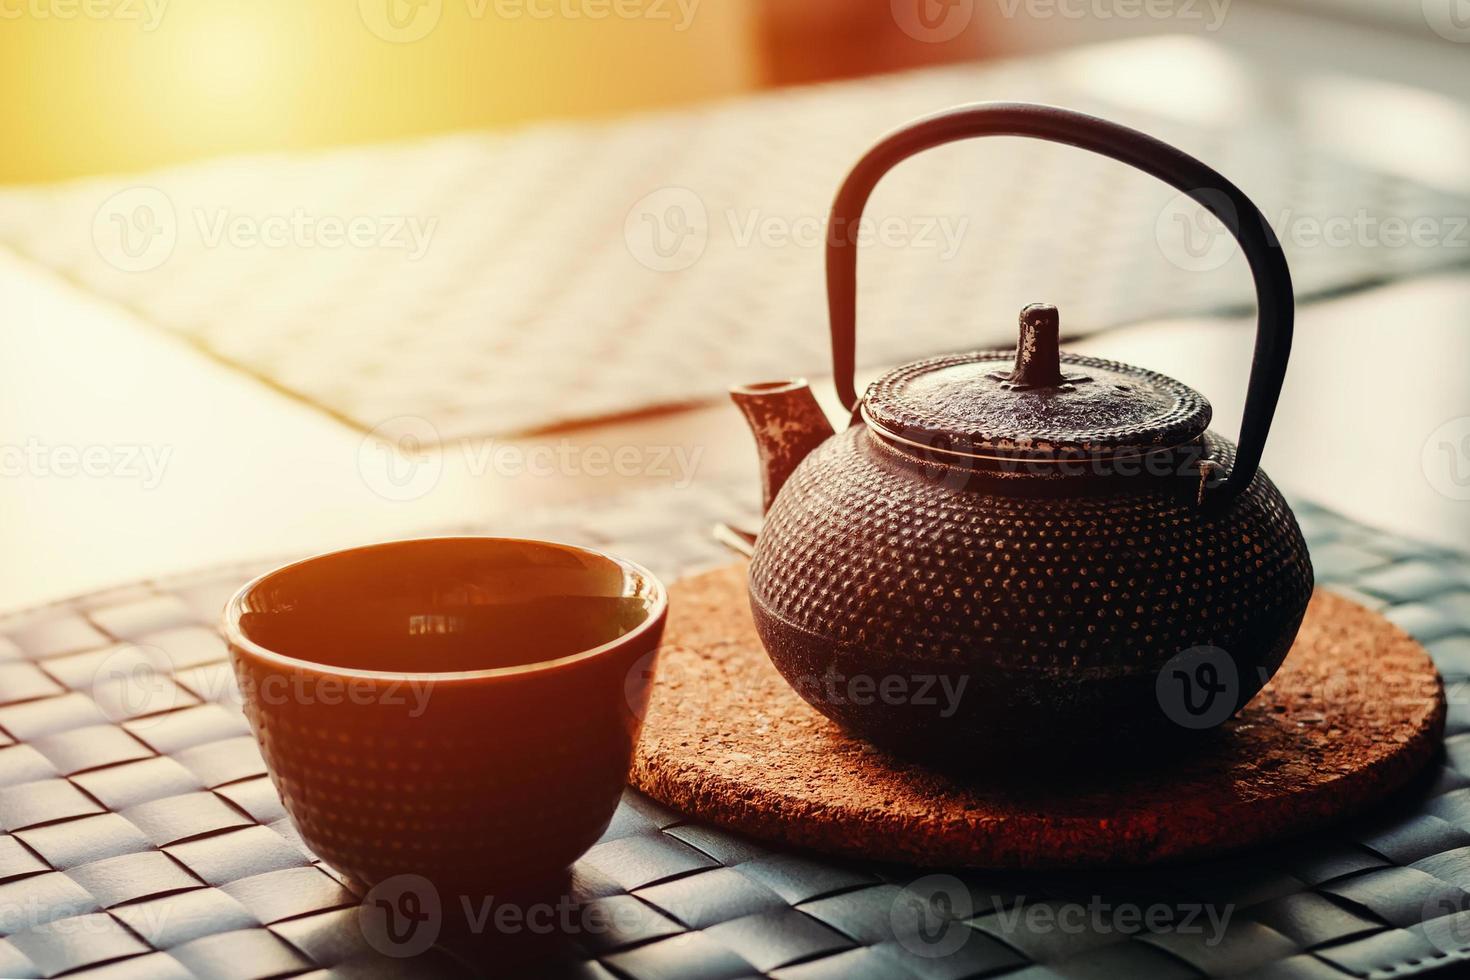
<point x="1038" y="353"/>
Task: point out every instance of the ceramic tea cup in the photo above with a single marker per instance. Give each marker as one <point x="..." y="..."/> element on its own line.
<point x="464" y="709"/>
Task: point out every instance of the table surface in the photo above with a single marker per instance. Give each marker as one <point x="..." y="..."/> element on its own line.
<point x="142" y="837"/>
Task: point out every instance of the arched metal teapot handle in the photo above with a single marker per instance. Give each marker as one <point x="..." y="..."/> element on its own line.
<point x="1274" y="302"/>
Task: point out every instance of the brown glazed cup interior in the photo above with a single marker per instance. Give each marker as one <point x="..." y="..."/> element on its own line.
<point x="464" y="709"/>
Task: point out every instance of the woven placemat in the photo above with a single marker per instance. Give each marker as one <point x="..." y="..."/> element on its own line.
<point x="143" y="839"/>
<point x="1354" y="713"/>
<point x="498" y="283"/>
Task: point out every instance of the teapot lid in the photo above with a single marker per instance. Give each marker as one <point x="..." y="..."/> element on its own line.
<point x="1034" y="404"/>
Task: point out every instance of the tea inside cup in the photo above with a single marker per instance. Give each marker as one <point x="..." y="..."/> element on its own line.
<point x="447" y="606"/>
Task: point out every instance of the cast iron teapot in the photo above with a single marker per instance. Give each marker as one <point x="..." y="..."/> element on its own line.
<point x="1013" y="552"/>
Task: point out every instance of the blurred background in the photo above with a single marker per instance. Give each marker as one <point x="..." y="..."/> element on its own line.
<point x="280" y="276"/>
<point x="98" y="86"/>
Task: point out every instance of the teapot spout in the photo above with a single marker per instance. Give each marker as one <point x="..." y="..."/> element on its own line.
<point x="787" y="424"/>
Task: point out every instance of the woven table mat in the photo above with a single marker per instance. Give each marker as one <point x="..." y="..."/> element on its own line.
<point x="497" y="283"/>
<point x="143" y="838"/>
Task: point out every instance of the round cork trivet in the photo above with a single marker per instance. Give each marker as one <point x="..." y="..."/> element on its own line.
<point x="1353" y="714"/>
